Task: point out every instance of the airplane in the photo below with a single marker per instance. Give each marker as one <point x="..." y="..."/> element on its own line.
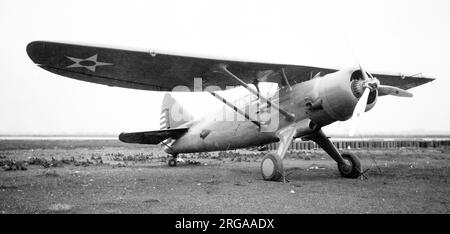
<point x="308" y="98"/>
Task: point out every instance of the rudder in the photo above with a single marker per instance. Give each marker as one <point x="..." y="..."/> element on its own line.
<point x="172" y="113"/>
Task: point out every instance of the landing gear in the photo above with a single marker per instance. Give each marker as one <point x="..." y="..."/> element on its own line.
<point x="172" y="161"/>
<point x="272" y="164"/>
<point x="272" y="168"/>
<point x="352" y="166"/>
<point x="348" y="164"/>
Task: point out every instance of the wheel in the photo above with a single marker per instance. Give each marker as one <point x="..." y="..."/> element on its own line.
<point x="352" y="166"/>
<point x="271" y="167"/>
<point x="172" y="162"/>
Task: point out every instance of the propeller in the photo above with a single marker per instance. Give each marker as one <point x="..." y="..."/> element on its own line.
<point x="370" y="84"/>
<point x="358" y="111"/>
<point x="394" y="91"/>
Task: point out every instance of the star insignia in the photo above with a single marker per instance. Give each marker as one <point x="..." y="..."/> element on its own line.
<point x="90" y="63"/>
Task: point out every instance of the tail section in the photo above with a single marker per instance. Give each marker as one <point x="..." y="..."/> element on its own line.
<point x="172" y="113"/>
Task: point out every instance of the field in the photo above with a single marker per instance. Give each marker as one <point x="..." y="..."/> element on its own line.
<point x="106" y="176"/>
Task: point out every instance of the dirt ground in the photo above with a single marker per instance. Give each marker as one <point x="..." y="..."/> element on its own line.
<point x="106" y="176"/>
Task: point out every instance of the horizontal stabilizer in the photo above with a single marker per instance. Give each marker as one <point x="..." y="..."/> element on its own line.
<point x="152" y="137"/>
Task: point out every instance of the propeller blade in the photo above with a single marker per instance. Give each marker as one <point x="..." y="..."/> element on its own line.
<point x="358" y="111"/>
<point x="394" y="91"/>
<point x="364" y="74"/>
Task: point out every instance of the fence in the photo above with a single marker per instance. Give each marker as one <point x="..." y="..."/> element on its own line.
<point x="368" y="144"/>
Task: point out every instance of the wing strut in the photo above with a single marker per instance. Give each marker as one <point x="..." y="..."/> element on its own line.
<point x="223" y="68"/>
<point x="285" y="80"/>
<point x="235" y="108"/>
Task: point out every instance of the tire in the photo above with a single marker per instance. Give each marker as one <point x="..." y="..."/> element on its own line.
<point x="172" y="162"/>
<point x="271" y="168"/>
<point x="353" y="167"/>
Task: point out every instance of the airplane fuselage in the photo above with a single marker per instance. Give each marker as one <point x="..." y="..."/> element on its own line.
<point x="315" y="103"/>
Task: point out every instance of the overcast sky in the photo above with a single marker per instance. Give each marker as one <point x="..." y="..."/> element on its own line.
<point x="394" y="36"/>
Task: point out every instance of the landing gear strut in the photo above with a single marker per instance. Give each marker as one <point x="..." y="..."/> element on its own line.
<point x="272" y="163"/>
<point x="348" y="164"/>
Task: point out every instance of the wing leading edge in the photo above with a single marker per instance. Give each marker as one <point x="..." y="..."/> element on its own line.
<point x="147" y="70"/>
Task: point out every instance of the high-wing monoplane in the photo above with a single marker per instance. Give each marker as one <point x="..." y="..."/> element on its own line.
<point x="308" y="98"/>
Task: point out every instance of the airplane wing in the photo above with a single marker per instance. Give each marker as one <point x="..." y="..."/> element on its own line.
<point x="401" y="81"/>
<point x="148" y="70"/>
<point x="152" y="137"/>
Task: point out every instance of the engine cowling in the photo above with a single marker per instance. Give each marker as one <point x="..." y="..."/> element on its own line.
<point x="340" y="92"/>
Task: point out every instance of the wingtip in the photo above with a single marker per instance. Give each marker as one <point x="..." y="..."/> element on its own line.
<point x="427" y="80"/>
<point x="122" y="137"/>
<point x="31" y="49"/>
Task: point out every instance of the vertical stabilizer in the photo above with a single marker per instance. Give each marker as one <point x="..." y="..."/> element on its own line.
<point x="172" y="113"/>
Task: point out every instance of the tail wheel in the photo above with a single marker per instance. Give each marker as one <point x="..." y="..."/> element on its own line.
<point x="352" y="166"/>
<point x="271" y="167"/>
<point x="172" y="162"/>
